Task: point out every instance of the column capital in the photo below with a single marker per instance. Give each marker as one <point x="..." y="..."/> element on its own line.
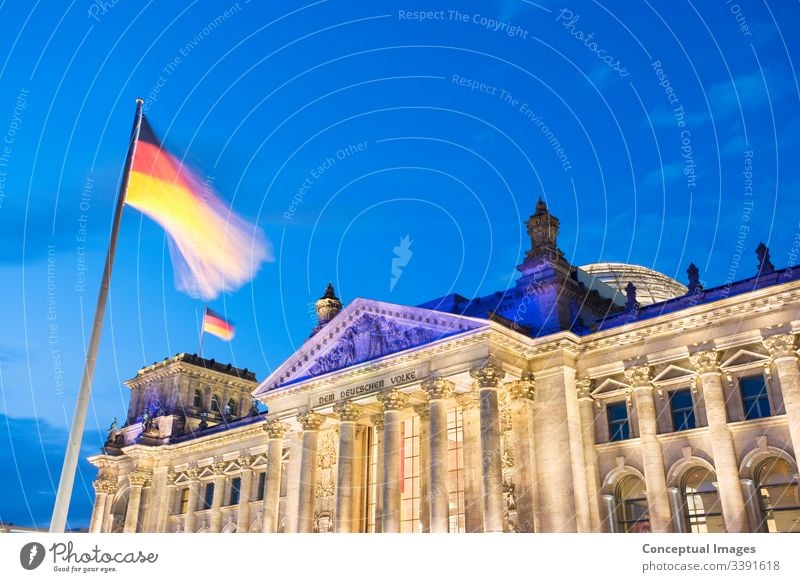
<point x="172" y="476"/>
<point x="522" y="389"/>
<point x="348" y="411"/>
<point x="138" y="478"/>
<point x="103" y="486"/>
<point x="705" y="362"/>
<point x="639" y="376"/>
<point x="488" y="375"/>
<point x="423" y="411"/>
<point x="584" y="387"/>
<point x="310" y="420"/>
<point x="393" y="400"/>
<point x="437" y="388"/>
<point x="218" y="467"/>
<point x="245" y="460"/>
<point x="377" y="421"/>
<point x="468" y="400"/>
<point x="193" y="473"/>
<point x="781" y="345"/>
<point x="275" y="429"/>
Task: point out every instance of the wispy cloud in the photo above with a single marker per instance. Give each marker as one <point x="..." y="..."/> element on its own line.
<point x="667" y="173"/>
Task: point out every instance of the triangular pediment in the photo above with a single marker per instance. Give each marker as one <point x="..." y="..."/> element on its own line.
<point x="743" y="358"/>
<point x="367" y="331"/>
<point x="609" y="386"/>
<point x="673" y="373"/>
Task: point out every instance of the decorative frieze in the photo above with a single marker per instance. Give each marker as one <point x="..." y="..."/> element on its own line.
<point x="705" y="362"/>
<point x="438" y="388"/>
<point x="310" y="420"/>
<point x="781" y="345"/>
<point x="487" y="376"/>
<point x="393" y="400"/>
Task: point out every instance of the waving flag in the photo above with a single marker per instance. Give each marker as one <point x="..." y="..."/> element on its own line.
<point x="217" y="325"/>
<point x="213" y="250"/>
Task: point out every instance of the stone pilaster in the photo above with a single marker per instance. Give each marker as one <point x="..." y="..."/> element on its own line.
<point x="522" y="393"/>
<point x="348" y="413"/>
<point x="438" y="391"/>
<point x="393" y="402"/>
<point x="652" y="454"/>
<point x="190" y="519"/>
<point x="276" y="431"/>
<point x="166" y="501"/>
<point x="783" y="351"/>
<point x="215" y="521"/>
<point x="311" y="423"/>
<point x="137" y="479"/>
<point x="488" y="378"/>
<point x="586" y="407"/>
<point x="473" y="475"/>
<point x="424" y="413"/>
<point x="377" y="427"/>
<point x="726" y="464"/>
<point x="101" y="502"/>
<point x="245" y="461"/>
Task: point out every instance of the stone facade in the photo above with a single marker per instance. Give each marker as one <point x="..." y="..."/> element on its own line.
<point x="675" y="417"/>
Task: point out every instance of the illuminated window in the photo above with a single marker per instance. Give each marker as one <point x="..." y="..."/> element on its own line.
<point x="409" y="477"/>
<point x="701" y="502"/>
<point x="632" y="512"/>
<point x="618" y="426"/>
<point x="754" y="397"/>
<point x="215" y="403"/>
<point x="455" y="451"/>
<point x="183" y="501"/>
<point x="262" y="482"/>
<point x="236" y="491"/>
<point x="680" y="403"/>
<point x="197" y="402"/>
<point x="374" y="480"/>
<point x="208" y="498"/>
<point x="779" y="493"/>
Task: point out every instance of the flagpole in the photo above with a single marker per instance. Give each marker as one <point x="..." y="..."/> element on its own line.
<point x="67" y="480"/>
<point x="202" y="330"/>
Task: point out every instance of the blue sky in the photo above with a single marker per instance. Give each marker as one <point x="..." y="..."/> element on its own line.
<point x="341" y="129"/>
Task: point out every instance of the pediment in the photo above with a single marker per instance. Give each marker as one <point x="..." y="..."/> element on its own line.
<point x="743" y="358"/>
<point x="367" y="331"/>
<point x="673" y="373"/>
<point x="609" y="386"/>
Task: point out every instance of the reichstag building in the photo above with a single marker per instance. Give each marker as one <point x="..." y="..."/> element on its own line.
<point x="602" y="398"/>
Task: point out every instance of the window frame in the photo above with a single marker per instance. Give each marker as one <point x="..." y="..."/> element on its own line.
<point x="673" y="411"/>
<point x="611" y="425"/>
<point x="750" y="374"/>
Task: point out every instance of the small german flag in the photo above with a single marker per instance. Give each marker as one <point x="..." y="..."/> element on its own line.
<point x="213" y="250"/>
<point x="217" y="325"/>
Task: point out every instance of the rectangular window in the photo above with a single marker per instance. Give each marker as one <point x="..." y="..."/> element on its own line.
<point x="618" y="426"/>
<point x="680" y="402"/>
<point x="262" y="482"/>
<point x="236" y="490"/>
<point x="208" y="498"/>
<point x="183" y="503"/>
<point x="754" y="397"/>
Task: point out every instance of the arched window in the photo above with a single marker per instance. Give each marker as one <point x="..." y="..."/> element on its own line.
<point x="215" y="403"/>
<point x="778" y="490"/>
<point x="197" y="402"/>
<point x="632" y="513"/>
<point x="701" y="503"/>
<point x="232" y="407"/>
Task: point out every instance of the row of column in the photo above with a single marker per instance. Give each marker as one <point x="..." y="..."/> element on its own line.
<point x="735" y="509"/>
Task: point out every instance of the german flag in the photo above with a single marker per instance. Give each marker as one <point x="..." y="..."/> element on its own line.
<point x="217" y="325"/>
<point x="213" y="250"/>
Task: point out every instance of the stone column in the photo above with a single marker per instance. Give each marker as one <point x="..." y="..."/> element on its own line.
<point x="610" y="510"/>
<point x="473" y="487"/>
<point x="521" y="393"/>
<point x="725" y="462"/>
<point x="190" y="523"/>
<point x="215" y="521"/>
<point x="166" y="501"/>
<point x="655" y="477"/>
<point x="488" y="378"/>
<point x="752" y="505"/>
<point x="784" y="356"/>
<point x="311" y="423"/>
<point x="276" y="431"/>
<point x="137" y="480"/>
<point x="101" y="487"/>
<point x="393" y="402"/>
<point x="438" y="391"/>
<point x="424" y="413"/>
<point x="107" y="520"/>
<point x="586" y="406"/>
<point x="377" y="425"/>
<point x="348" y="415"/>
<point x="245" y="461"/>
<point x="679" y="524"/>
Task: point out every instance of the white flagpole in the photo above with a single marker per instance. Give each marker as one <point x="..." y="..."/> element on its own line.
<point x="202" y="330"/>
<point x="67" y="480"/>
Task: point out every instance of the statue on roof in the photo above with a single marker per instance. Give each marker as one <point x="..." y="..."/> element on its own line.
<point x="694" y="279"/>
<point x="765" y="266"/>
<point x="630" y="293"/>
<point x="543" y="230"/>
